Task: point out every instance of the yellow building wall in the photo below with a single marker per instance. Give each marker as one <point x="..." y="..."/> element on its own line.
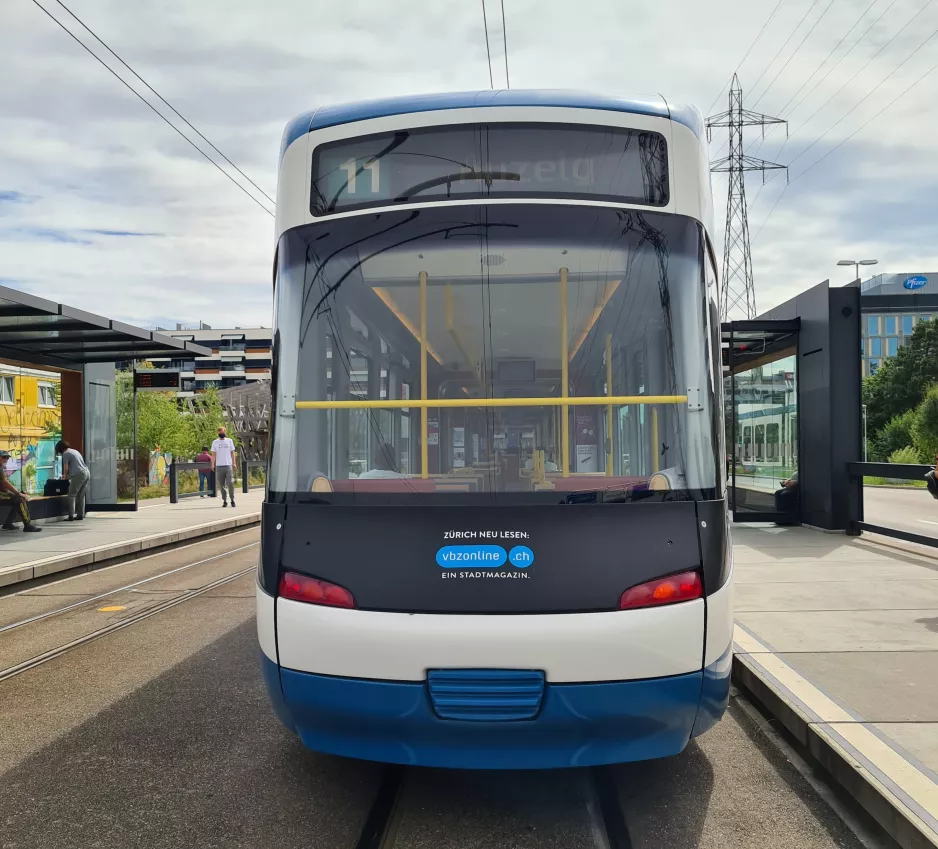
<point x="29" y="430"/>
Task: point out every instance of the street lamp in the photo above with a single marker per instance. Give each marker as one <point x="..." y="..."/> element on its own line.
<point x="856" y="263"/>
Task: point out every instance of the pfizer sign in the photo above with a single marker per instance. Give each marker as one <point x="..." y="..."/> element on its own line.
<point x="915" y="282"/>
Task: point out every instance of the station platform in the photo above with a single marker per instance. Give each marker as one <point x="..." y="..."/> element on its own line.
<point x="105" y="536"/>
<point x="838" y="637"/>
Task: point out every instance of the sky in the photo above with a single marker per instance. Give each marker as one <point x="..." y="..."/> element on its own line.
<point x="104" y="207"/>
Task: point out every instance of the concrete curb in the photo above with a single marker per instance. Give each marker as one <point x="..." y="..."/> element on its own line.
<point x="123" y="550"/>
<point x="847" y="769"/>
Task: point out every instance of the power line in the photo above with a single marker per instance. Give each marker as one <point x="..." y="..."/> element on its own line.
<point x="794" y="52"/>
<point x="860" y="102"/>
<point x="164" y="100"/>
<point x="836" y="47"/>
<point x="488" y="51"/>
<point x="768" y="20"/>
<point x="790" y="37"/>
<point x="866" y="123"/>
<point x="505" y="41"/>
<point x="146" y="102"/>
<point x="772" y="62"/>
<point x="857" y="73"/>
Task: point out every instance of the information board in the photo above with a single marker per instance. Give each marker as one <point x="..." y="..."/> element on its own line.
<point x="156" y="380"/>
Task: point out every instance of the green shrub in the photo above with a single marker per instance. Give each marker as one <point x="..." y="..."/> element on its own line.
<point x="907" y="455"/>
<point x="895" y="435"/>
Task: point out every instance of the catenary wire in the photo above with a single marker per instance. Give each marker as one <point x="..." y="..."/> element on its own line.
<point x="505" y="42"/>
<point x="488" y="50"/>
<point x="147" y="103"/>
<point x="163" y="99"/>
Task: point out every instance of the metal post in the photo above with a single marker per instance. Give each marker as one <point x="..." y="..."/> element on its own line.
<point x="173" y="483"/>
<point x="133" y="401"/>
<point x="424" y="412"/>
<point x="244" y="476"/>
<point x="609" y="408"/>
<point x="864" y="433"/>
<point x="564" y="379"/>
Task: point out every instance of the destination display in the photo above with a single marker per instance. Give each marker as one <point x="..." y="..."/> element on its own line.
<point x="162" y="380"/>
<point x="490" y="161"/>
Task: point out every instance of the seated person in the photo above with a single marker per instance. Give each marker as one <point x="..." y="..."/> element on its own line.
<point x="383" y="464"/>
<point x="786" y="499"/>
<point x="16" y="500"/>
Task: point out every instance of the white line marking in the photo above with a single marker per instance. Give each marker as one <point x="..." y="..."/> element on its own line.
<point x="827" y="714"/>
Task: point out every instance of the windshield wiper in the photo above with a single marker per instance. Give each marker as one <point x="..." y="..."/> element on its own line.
<point x="487" y="176"/>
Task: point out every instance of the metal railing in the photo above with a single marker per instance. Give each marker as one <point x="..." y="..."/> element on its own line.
<point x="175" y="468"/>
<point x="896" y="471"/>
<point x="246" y="466"/>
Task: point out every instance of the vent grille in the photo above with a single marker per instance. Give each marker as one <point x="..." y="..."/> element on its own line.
<point x="486" y="695"/>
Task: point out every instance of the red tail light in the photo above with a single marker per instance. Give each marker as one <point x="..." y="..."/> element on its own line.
<point x="313" y="591"/>
<point x="674" y="588"/>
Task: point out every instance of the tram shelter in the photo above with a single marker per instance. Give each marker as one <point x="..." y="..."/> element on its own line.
<point x="792" y="389"/>
<point x="58" y="381"/>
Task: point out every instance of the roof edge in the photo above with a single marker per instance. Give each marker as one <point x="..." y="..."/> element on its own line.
<point x="346" y="113"/>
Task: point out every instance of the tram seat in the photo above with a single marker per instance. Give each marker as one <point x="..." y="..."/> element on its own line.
<point x="384" y="485"/>
<point x="578" y="483"/>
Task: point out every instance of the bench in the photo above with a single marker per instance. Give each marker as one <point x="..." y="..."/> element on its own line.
<point x="39" y="506"/>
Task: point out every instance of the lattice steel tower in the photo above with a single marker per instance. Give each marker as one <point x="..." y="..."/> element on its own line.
<point x="737" y="289"/>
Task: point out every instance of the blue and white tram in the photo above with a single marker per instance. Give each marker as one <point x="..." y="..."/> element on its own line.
<point x="495" y="531"/>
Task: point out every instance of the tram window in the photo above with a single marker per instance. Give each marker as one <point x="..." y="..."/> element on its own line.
<point x="495" y="289"/>
<point x="490" y="160"/>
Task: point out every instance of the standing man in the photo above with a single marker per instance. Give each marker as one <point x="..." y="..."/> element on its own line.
<point x="17" y="500"/>
<point x="76" y="473"/>
<point x="223" y="460"/>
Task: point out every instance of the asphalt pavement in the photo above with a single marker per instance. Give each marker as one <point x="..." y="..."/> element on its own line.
<point x="160" y="735"/>
<point x="906" y="508"/>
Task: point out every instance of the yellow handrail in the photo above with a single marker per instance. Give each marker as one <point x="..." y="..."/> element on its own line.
<point x="433" y="403"/>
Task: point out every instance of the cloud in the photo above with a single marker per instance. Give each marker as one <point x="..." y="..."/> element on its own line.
<point x="105" y="207"/>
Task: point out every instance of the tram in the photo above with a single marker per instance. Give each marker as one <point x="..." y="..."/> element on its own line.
<point x="495" y="532"/>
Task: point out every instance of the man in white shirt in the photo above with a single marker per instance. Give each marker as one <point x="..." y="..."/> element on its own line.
<point x="223" y="459"/>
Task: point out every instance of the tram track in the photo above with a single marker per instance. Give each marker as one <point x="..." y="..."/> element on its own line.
<point x="606" y="816"/>
<point x="146" y="613"/>
<point x="48" y="614"/>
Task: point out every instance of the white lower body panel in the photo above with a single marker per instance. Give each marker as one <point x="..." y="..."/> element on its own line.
<point x="266" y="629"/>
<point x="570" y="647"/>
<point x="720" y="620"/>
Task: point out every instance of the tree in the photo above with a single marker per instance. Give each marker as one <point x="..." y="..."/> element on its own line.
<point x="902" y="380"/>
<point x="925" y="426"/>
<point x="160" y="422"/>
<point x="205" y="418"/>
<point x="896" y="435"/>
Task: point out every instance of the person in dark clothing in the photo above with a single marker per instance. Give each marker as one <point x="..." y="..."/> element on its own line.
<point x="10" y="495"/>
<point x="787" y="498"/>
<point x="205" y="470"/>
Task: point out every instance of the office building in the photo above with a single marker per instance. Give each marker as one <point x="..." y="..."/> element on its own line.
<point x="891" y="306"/>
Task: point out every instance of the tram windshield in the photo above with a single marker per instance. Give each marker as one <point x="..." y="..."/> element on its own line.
<point x="506" y="353"/>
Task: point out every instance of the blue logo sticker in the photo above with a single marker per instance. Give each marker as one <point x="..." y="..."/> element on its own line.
<point x="460" y="556"/>
<point x="521" y="557"/>
<point x="915" y="282"/>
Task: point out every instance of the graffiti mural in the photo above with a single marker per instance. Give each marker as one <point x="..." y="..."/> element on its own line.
<point x="30" y="425"/>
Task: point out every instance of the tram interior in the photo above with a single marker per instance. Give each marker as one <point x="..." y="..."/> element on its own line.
<point x="513" y="334"/>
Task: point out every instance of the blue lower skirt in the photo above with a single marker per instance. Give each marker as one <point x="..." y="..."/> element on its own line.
<point x="577" y="725"/>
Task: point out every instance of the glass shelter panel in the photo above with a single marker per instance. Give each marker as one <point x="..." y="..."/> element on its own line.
<point x="762" y="426"/>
